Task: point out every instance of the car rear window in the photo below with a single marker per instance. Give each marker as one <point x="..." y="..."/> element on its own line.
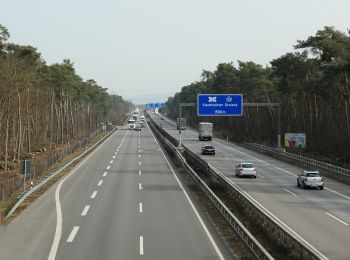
<point x="209" y="147"/>
<point x="247" y="165"/>
<point x="312" y="174"/>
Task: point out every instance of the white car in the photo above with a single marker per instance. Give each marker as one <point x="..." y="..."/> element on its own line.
<point x="310" y="179"/>
<point x="245" y="169"/>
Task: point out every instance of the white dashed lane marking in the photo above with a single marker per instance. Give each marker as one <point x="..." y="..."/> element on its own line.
<point x="105" y="174"/>
<point x="341" y="221"/>
<point x="100" y="183"/>
<point x="73" y="234"/>
<point x="290" y="192"/>
<point x="141" y="245"/>
<point x="85" y="210"/>
<point x="93" y="195"/>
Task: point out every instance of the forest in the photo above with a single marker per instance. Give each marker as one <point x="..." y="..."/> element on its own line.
<point x="311" y="82"/>
<point x="44" y="106"/>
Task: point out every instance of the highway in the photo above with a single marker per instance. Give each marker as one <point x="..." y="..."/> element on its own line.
<point x="123" y="201"/>
<point x="320" y="217"/>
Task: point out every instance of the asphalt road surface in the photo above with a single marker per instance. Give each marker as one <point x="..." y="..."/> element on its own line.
<point x="320" y="217"/>
<point x="122" y="202"/>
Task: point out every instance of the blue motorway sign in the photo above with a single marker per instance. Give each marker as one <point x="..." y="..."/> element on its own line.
<point x="155" y="105"/>
<point x="220" y="104"/>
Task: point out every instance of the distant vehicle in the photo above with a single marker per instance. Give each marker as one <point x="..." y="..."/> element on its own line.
<point x="245" y="169"/>
<point x="208" y="149"/>
<point x="310" y="179"/>
<point x="205" y="131"/>
<point x="109" y="126"/>
<point x="156" y="111"/>
<point x="138" y="127"/>
<point x="142" y="117"/>
<point x="131" y="123"/>
<point x="183" y="123"/>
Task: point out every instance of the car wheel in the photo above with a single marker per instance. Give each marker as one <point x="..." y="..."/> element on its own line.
<point x="321" y="188"/>
<point x="214" y="153"/>
<point x="298" y="185"/>
<point x="254" y="176"/>
<point x="303" y="186"/>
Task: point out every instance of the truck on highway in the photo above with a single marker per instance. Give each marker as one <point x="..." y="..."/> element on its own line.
<point x="183" y="123"/>
<point x="205" y="131"/>
<point x="131" y="123"/>
<point x="156" y="111"/>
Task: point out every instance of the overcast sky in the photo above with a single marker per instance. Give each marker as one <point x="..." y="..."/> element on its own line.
<point x="147" y="50"/>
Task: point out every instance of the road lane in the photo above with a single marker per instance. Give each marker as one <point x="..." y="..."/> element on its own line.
<point x="305" y="213"/>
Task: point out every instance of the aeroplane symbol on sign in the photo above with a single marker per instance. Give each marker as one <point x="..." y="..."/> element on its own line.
<point x="211" y="99"/>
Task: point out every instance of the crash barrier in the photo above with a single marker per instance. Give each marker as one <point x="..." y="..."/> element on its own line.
<point x="281" y="233"/>
<point x="330" y="170"/>
<point x="255" y="247"/>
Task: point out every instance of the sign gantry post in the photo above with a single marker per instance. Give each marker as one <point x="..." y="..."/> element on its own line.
<point x="180" y="115"/>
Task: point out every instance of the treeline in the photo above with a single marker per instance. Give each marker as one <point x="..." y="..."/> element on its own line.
<point x="312" y="83"/>
<point x="43" y="105"/>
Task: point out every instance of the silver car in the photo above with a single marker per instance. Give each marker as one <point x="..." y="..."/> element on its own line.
<point x="245" y="169"/>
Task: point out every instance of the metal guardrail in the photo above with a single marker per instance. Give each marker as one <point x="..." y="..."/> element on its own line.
<point x="304" y="162"/>
<point x="269" y="223"/>
<point x="51" y="175"/>
<point x="255" y="247"/>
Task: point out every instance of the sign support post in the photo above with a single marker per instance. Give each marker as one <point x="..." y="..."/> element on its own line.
<point x="180" y="115"/>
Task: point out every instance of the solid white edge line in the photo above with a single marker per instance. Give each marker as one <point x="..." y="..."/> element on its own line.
<point x="93" y="195"/>
<point x="141" y="245"/>
<point x="73" y="234"/>
<point x="85" y="210"/>
<point x="100" y="183"/>
<point x="341" y="221"/>
<point x="338" y="193"/>
<point x="105" y="174"/>
<point x="59" y="219"/>
<point x="216" y="248"/>
<point x="140" y="207"/>
<point x="290" y="192"/>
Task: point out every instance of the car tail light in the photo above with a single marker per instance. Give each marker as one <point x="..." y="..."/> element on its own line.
<point x="254" y="170"/>
<point x="241" y="169"/>
<point x="305" y="179"/>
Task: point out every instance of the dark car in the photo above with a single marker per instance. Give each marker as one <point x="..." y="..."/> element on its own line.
<point x="138" y="127"/>
<point x="208" y="149"/>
